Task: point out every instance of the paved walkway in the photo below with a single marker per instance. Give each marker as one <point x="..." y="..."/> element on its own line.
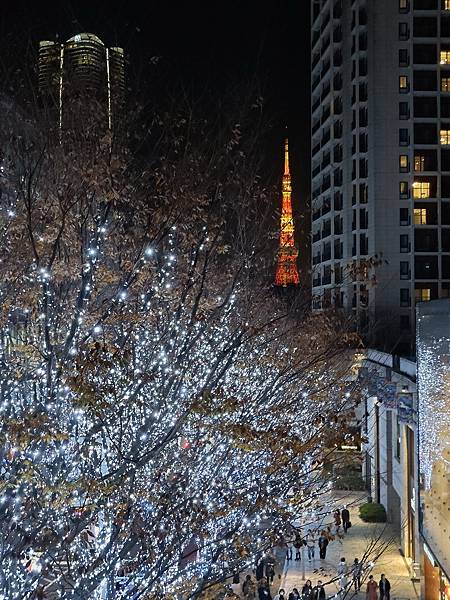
<point x="353" y="545"/>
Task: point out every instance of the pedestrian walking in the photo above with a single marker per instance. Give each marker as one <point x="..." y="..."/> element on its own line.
<point x="337" y="518"/>
<point x="385" y="588"/>
<point x="259" y="572"/>
<point x="371" y="590"/>
<point x="236" y="584"/>
<point x="270" y="572"/>
<point x="248" y="588"/>
<point x="281" y="595"/>
<point x="356" y="574"/>
<point x="345" y="515"/>
<point x="264" y="591"/>
<point x="294" y="595"/>
<point x="289" y="546"/>
<point x="323" y="543"/>
<point x="319" y="591"/>
<point x="342" y="567"/>
<point x="298" y="543"/>
<point x="307" y="591"/>
<point x="310" y="545"/>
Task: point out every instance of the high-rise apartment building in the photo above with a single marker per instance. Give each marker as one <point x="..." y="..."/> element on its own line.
<point x="82" y="65"/>
<point x="381" y="159"/>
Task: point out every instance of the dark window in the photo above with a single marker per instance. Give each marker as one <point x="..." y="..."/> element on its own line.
<point x="445" y="237"/>
<point x="425" y="106"/>
<point x="424" y="54"/>
<point x="425" y="26"/>
<point x="363" y="218"/>
<point x="425" y="133"/>
<point x="425" y="240"/>
<point x="425" y="81"/>
<point x="363" y="244"/>
<point x="362" y="67"/>
<point x="403" y="57"/>
<point x="403" y="137"/>
<point x="403" y="189"/>
<point x="404" y="243"/>
<point x="445" y="186"/>
<point x="363" y="193"/>
<point x="445" y="160"/>
<point x="445" y="108"/>
<point x="404" y="269"/>
<point x="404" y="216"/>
<point x="445" y="213"/>
<point x="404" y="297"/>
<point x="403" y="110"/>
<point x="426" y="267"/>
<point x="445" y="27"/>
<point x="445" y="267"/>
<point x="403" y="31"/>
<point x="425" y="4"/>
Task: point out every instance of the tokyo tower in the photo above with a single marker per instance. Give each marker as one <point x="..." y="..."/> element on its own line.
<point x="287" y="272"/>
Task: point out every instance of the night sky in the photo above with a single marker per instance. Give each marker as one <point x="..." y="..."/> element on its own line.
<point x="214" y="42"/>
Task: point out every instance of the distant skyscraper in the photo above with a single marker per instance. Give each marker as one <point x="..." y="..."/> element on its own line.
<point x="287" y="272"/>
<point x="380" y="159"/>
<point x="82" y="65"/>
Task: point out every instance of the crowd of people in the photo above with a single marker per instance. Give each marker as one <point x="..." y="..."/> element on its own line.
<point x="348" y="577"/>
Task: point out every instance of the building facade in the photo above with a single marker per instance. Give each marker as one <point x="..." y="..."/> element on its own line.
<point x="389" y="427"/>
<point x="380" y="160"/>
<point x="82" y="66"/>
<point x="433" y="378"/>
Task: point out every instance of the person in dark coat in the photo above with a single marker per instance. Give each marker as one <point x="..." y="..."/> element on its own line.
<point x="319" y="591"/>
<point x="307" y="591"/>
<point x="345" y="515"/>
<point x="294" y="595"/>
<point x="323" y="543"/>
<point x="385" y="588"/>
<point x="264" y="591"/>
<point x="298" y="543"/>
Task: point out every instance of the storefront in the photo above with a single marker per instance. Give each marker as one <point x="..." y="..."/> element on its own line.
<point x="433" y="378"/>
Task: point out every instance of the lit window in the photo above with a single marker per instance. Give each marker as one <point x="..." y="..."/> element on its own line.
<point x="419" y="163"/>
<point x="444" y="57"/>
<point x="403" y="83"/>
<point x="445" y="82"/>
<point x="403" y="4"/>
<point x="444" y="137"/>
<point x="403" y="163"/>
<point x="420" y="216"/>
<point x="423" y="294"/>
<point x="421" y="189"/>
<point x="446" y="5"/>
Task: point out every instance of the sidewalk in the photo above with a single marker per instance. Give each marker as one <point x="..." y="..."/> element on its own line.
<point x="352" y="546"/>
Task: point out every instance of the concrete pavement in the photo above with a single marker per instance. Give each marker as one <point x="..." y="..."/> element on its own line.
<point x="353" y="545"/>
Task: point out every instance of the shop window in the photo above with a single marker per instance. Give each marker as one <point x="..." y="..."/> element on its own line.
<point x="421" y="189"/>
<point x="419" y="162"/>
<point x="403" y="83"/>
<point x="445" y="4"/>
<point x="445" y="83"/>
<point x="420" y="216"/>
<point x="403" y="163"/>
<point x="423" y="294"/>
<point x="444" y="137"/>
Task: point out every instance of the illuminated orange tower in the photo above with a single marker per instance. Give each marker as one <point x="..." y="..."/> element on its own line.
<point x="287" y="272"/>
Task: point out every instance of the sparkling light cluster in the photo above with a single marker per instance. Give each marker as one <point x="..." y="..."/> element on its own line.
<point x="156" y="408"/>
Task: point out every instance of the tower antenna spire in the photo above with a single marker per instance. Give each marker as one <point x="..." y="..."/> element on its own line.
<point x="287" y="272"/>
